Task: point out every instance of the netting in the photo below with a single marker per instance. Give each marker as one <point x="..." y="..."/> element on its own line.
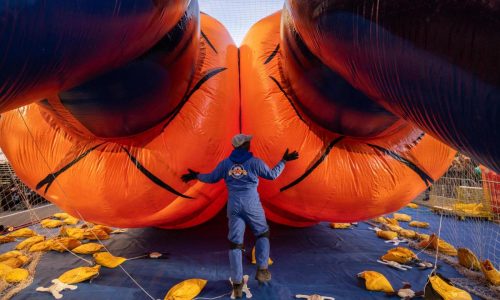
<point x="26" y="202"/>
<point x="466" y="200"/>
<point x="468" y="195"/>
<point x="12" y="189"/>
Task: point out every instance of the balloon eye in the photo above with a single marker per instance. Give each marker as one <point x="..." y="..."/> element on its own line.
<point x="323" y="95"/>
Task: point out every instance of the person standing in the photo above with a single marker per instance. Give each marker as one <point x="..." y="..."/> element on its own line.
<point x="241" y="172"/>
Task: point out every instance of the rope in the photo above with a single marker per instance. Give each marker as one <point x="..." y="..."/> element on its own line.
<point x="216" y="297"/>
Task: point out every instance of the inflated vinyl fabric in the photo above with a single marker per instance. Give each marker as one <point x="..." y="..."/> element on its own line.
<point x="134" y="181"/>
<point x="385" y="165"/>
<point x="104" y="105"/>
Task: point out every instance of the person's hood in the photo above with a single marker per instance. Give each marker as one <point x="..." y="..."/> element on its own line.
<point x="240" y="156"/>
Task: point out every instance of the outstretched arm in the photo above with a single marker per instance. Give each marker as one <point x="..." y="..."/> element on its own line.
<point x="213" y="177"/>
<point x="265" y="172"/>
<point x="271" y="174"/>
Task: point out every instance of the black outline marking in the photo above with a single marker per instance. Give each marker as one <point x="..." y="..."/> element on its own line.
<point x="208" y="41"/>
<point x="425" y="177"/>
<point x="49" y="179"/>
<point x="186" y="97"/>
<point x="287" y="97"/>
<point x="152" y="177"/>
<point x="273" y="54"/>
<point x="419" y="138"/>
<point x="315" y="165"/>
<point x="239" y="89"/>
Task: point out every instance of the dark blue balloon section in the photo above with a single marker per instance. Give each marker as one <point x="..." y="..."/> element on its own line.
<point x="51" y="45"/>
<point x="433" y="63"/>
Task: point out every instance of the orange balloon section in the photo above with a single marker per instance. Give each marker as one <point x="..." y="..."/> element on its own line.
<point x="135" y="181"/>
<point x="337" y="178"/>
<point x="118" y="160"/>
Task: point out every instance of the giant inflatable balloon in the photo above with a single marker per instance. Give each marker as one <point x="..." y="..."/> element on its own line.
<point x="52" y="45"/>
<point x="431" y="62"/>
<point x="112" y="149"/>
<point x="118" y="108"/>
<point x="353" y="152"/>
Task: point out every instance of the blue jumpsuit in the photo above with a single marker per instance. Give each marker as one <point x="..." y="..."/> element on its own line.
<point x="241" y="172"/>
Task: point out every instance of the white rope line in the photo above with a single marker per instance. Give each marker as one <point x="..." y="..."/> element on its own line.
<point x="437" y="251"/>
<point x="213" y="298"/>
<point x="22" y="212"/>
<point x="78" y="212"/>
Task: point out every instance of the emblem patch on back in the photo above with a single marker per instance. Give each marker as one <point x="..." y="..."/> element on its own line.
<point x="237" y="171"/>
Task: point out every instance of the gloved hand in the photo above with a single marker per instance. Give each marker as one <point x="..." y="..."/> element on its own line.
<point x="290" y="156"/>
<point x="190" y="176"/>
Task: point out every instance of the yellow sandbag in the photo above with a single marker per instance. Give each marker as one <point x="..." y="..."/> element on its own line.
<point x="4" y="270"/>
<point x="49" y="223"/>
<point x="17" y="275"/>
<point x="422" y="236"/>
<point x="435" y="243"/>
<point x="105" y="228"/>
<point x="23" y="232"/>
<point x="61" y="216"/>
<point x="254" y="260"/>
<point x="76" y="233"/>
<point x="14" y="262"/>
<point x="473" y="209"/>
<point x="419" y="224"/>
<point x="7" y="239"/>
<point x="402" y="217"/>
<point x="443" y="247"/>
<point x="41" y="246"/>
<point x="412" y="205"/>
<point x="340" y="225"/>
<point x="88" y="248"/>
<point x="186" y="290"/>
<point x="374" y="281"/>
<point x="491" y="274"/>
<point x="394" y="228"/>
<point x="401" y="255"/>
<point x="392" y="221"/>
<point x="468" y="259"/>
<point x="24" y="259"/>
<point x="386" y="234"/>
<point x="27" y="243"/>
<point x="71" y="221"/>
<point x="79" y="274"/>
<point x="446" y="291"/>
<point x="381" y="220"/>
<point x="62" y="244"/>
<point x="95" y="234"/>
<point x="10" y="254"/>
<point x="406" y="233"/>
<point x="108" y="260"/>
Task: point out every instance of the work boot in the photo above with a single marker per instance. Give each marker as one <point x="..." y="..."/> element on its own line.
<point x="238" y="290"/>
<point x="263" y="275"/>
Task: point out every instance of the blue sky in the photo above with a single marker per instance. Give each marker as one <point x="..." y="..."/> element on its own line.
<point x="239" y="15"/>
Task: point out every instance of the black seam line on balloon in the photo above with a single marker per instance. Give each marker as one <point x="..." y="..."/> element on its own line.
<point x="419" y="138"/>
<point x="49" y="179"/>
<point x="152" y="177"/>
<point x="425" y="177"/>
<point x="239" y="91"/>
<point x="208" y="41"/>
<point x="273" y="54"/>
<point x="314" y="166"/>
<point x="188" y="95"/>
<point x="287" y="97"/>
